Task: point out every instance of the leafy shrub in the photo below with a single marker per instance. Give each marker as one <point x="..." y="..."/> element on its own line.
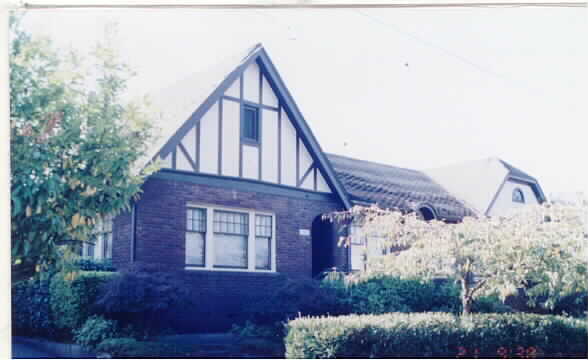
<point x="435" y="335"/>
<point x="72" y="298"/>
<point x="141" y="295"/>
<point x="295" y="297"/>
<point x="31" y="312"/>
<point x="382" y="294"/>
<point x="490" y="304"/>
<point x="574" y="304"/>
<point x="131" y="348"/>
<point x="94" y="331"/>
<point x="88" y="264"/>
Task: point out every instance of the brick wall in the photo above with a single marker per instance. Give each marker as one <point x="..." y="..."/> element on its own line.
<point x="160" y="238"/>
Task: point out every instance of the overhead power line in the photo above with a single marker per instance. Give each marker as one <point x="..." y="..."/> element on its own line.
<point x="301" y="4"/>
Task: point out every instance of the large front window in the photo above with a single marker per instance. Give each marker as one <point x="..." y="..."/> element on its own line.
<point x="229" y="239"/>
<point x="100" y="246"/>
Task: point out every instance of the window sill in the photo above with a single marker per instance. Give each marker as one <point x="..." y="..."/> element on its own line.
<point x="196" y="268"/>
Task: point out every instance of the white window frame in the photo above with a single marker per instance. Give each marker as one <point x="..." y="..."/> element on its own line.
<point x="209" y="239"/>
<point x="99" y="241"/>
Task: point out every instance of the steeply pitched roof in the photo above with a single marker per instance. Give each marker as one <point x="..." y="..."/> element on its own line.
<point x="394" y="187"/>
<point x="180" y="106"/>
<point x="518" y="174"/>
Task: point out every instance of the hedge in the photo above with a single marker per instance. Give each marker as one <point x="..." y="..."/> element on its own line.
<point x="31" y="315"/>
<point x="436" y="335"/>
<point x="73" y="296"/>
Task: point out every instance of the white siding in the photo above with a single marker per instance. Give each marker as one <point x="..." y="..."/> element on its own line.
<point x="288" y="151"/>
<point x="269" y="138"/>
<point x="269" y="97"/>
<point x="231" y="141"/>
<point x="166" y="162"/>
<point x="321" y="184"/>
<point x="234" y="89"/>
<point x="251" y="83"/>
<point x="209" y="141"/>
<point x="305" y="159"/>
<point x="250" y="162"/>
<point x="181" y="162"/>
<point x="504" y="203"/>
<point x="189" y="143"/>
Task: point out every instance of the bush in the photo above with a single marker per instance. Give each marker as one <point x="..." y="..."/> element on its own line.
<point x="31" y="313"/>
<point x="141" y="295"/>
<point x="490" y="304"/>
<point x="73" y="296"/>
<point x="435" y="335"/>
<point x="294" y="298"/>
<point x="574" y="304"/>
<point x="94" y="331"/>
<point x="131" y="348"/>
<point x="383" y="294"/>
<point x="87" y="264"/>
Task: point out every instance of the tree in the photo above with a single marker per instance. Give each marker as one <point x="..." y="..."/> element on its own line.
<point x="74" y="147"/>
<point x="542" y="249"/>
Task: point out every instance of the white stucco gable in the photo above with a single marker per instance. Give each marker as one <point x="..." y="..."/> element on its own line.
<point x="487" y="185"/>
<point x="473" y="182"/>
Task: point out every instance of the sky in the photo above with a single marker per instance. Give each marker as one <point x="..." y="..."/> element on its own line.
<point x="415" y="88"/>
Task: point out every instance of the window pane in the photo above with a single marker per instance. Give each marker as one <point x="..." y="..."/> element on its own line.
<point x="108" y="245"/>
<point x="228" y="222"/>
<point x="90" y="250"/>
<point x="263" y="225"/>
<point x="196" y="220"/>
<point x="195" y="248"/>
<point x="230" y="250"/>
<point x="357" y="257"/>
<point x="250" y="124"/>
<point x="262" y="253"/>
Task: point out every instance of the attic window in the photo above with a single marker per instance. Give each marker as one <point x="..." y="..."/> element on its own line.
<point x="250" y="125"/>
<point x="517" y="196"/>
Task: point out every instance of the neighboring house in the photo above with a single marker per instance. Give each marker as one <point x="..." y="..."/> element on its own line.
<point x="491" y="187"/>
<point x="238" y="203"/>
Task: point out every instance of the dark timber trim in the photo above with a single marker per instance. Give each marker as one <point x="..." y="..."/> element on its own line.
<point x="314" y="181"/>
<point x="260" y="146"/>
<point x="247" y="102"/>
<point x="174" y="158"/>
<point x="297" y="158"/>
<point x="220" y="137"/>
<point x="306" y="173"/>
<point x="187" y="156"/>
<point x="197" y="150"/>
<point x="280" y="145"/>
<point x="242" y="184"/>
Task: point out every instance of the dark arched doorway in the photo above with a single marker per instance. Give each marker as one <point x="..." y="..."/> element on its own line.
<point x="323" y="245"/>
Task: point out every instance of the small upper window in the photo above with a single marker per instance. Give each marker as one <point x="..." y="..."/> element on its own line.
<point x="250" y="124"/>
<point x="517" y="196"/>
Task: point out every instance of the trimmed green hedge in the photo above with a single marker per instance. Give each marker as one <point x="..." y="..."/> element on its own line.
<point x="131" y="348"/>
<point x="73" y="296"/>
<point x="436" y="335"/>
<point x="31" y="315"/>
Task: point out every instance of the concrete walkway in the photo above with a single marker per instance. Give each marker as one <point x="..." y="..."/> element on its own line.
<point x="23" y="350"/>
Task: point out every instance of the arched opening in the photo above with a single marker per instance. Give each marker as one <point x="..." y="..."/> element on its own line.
<point x="426" y="213"/>
<point x="517" y="196"/>
<point x="323" y="245"/>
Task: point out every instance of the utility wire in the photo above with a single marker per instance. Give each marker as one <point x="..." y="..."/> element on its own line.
<point x="460" y="58"/>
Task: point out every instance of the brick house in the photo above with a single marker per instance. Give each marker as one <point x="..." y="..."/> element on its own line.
<point x="237" y="205"/>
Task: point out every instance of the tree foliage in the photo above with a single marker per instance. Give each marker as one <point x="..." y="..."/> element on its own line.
<point x="74" y="146"/>
<point x="542" y="249"/>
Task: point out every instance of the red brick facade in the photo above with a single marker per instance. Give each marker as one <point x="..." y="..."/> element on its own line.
<point x="160" y="239"/>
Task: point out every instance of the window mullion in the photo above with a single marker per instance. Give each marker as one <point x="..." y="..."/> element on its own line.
<point x="209" y="239"/>
<point x="251" y="243"/>
<point x="273" y="245"/>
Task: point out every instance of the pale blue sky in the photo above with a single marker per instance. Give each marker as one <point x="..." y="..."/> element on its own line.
<point x="417" y="88"/>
